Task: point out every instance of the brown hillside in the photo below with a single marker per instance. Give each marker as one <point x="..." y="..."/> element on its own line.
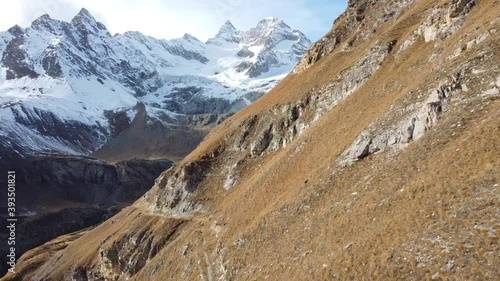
<point x="377" y="159"/>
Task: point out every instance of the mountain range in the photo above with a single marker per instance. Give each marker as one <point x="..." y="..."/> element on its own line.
<point x="71" y="87"/>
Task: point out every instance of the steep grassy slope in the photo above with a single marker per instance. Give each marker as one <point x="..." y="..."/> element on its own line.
<point x="377" y="159"/>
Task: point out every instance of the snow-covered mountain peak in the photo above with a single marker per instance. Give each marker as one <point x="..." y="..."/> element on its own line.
<point x="72" y="74"/>
<point x="132" y="34"/>
<point x="44" y="17"/>
<point x="45" y="23"/>
<point x="16" y="30"/>
<point x="84" y="15"/>
<point x="226" y="28"/>
<point x="269" y="32"/>
<point x="271" y="18"/>
<point x="85" y="20"/>
<point x="271" y="22"/>
<point x="228" y="32"/>
<point x="190" y="37"/>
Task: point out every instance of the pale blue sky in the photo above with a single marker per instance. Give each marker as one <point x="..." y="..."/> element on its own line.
<point x="172" y="18"/>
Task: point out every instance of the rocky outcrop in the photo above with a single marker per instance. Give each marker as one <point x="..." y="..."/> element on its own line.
<point x="443" y="22"/>
<point x="424" y="115"/>
<point x="352" y="28"/>
<point x="295" y="121"/>
<point x="461" y="7"/>
<point x="174" y="187"/>
<point x="420" y="120"/>
<point x="118" y="121"/>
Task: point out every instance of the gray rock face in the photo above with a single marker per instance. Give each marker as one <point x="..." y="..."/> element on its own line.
<point x="89" y="180"/>
<point x="421" y="120"/>
<point x="118" y="121"/>
<point x="460" y="7"/>
<point x="15" y="60"/>
<point x="360" y="148"/>
<point x="202" y="105"/>
<point x="178" y="186"/>
<point x="260" y="146"/>
<point x="245" y="53"/>
<point x="118" y="261"/>
<point x="135" y="176"/>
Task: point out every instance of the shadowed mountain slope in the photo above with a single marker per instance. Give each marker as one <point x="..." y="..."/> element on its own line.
<point x="376" y="159"/>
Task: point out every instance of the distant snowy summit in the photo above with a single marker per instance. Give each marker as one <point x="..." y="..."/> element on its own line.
<point x="63" y="84"/>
